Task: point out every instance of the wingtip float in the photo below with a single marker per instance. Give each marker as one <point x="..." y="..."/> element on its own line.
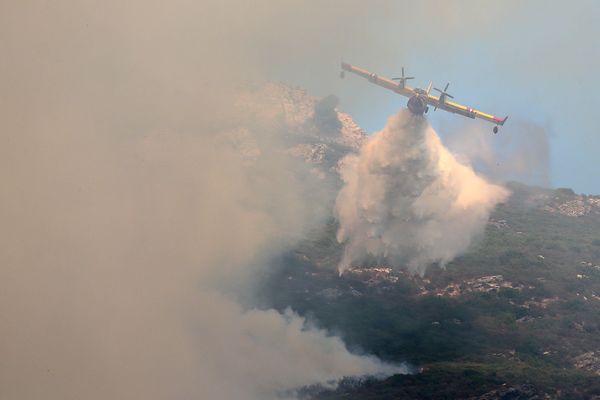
<point x="419" y="99"/>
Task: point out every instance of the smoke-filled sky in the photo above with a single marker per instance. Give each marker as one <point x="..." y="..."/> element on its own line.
<point x="125" y="213"/>
<point x="131" y="224"/>
<point x="536" y="61"/>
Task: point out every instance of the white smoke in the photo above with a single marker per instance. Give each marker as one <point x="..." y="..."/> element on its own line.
<point x="407" y="200"/>
<point x="125" y="212"/>
<point x="116" y="252"/>
<point x="521" y="152"/>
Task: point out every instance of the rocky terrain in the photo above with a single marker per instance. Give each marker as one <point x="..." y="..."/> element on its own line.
<point x="516" y="317"/>
<point x="589" y="361"/>
<point x="577" y="207"/>
<point x="313" y="129"/>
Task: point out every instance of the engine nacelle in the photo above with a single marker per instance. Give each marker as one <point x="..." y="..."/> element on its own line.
<point x="417" y="105"/>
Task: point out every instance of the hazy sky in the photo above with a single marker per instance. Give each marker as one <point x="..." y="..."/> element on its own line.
<point x="536" y="61"/>
<point x="127" y="216"/>
<point x="131" y="222"/>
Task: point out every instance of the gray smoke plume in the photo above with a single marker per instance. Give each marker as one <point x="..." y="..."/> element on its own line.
<point x="117" y="249"/>
<point x="133" y="190"/>
<point x="521" y="152"/>
<point x="136" y="193"/>
<point x="407" y="200"/>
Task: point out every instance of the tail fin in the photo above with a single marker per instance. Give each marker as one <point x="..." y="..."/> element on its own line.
<point x="429" y="87"/>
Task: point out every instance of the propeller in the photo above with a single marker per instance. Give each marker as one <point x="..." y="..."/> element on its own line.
<point x="403" y="78"/>
<point x="443" y="94"/>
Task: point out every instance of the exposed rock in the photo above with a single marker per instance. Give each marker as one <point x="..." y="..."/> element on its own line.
<point x="525" y="319"/>
<point x="295" y="109"/>
<point x="577" y="207"/>
<point x="312" y="129"/>
<point x="589" y="361"/>
<point x="351" y="134"/>
<point x="500" y="224"/>
<point x="594" y="201"/>
<point x="520" y="392"/>
<point x="375" y="275"/>
<point x="574" y="208"/>
<point x="510" y="355"/>
<point x="484" y="284"/>
<point x="312" y="153"/>
<point x="543" y="303"/>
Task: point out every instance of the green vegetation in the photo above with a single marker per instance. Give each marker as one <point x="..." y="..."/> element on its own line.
<point x="469" y="380"/>
<point x="537" y="310"/>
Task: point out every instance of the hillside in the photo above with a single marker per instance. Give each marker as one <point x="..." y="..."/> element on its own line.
<point x="519" y="313"/>
<point x="517" y="316"/>
<point x="311" y="129"/>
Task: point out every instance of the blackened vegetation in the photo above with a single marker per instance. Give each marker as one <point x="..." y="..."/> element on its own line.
<point x="517" y="317"/>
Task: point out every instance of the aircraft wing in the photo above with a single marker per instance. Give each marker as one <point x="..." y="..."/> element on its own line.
<point x="437" y="102"/>
<point x="379" y="80"/>
<point x="469" y="112"/>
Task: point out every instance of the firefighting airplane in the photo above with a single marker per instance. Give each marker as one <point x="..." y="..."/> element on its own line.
<point x="419" y="100"/>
